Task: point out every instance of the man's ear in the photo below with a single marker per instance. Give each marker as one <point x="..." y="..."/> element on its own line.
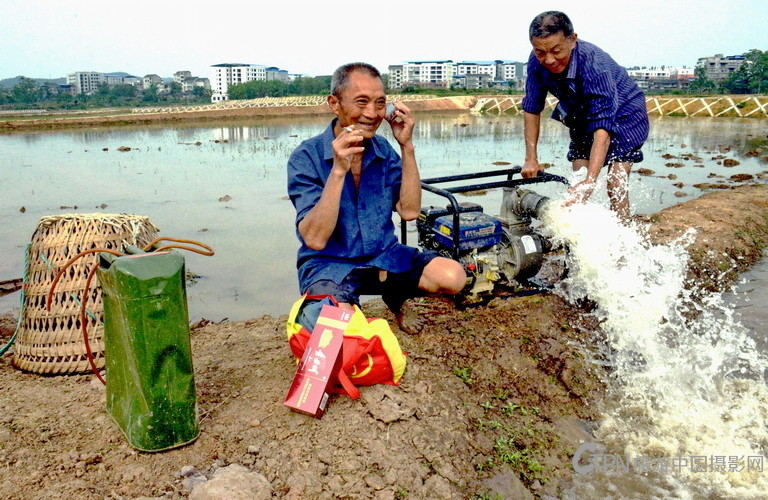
<point x="333" y="103"/>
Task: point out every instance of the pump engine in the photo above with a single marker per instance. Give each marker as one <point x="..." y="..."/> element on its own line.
<point x="505" y="250"/>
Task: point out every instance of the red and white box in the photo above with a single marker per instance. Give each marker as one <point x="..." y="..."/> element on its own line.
<point x="321" y="360"/>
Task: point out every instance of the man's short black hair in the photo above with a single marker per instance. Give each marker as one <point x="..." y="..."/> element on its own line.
<point x="549" y="23"/>
<point x="340" y="78"/>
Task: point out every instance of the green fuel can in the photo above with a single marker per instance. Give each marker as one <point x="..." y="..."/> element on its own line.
<point x="150" y="380"/>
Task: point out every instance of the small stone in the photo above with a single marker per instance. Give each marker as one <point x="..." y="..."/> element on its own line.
<point x="189" y="483"/>
<point x="437" y="486"/>
<point x="375" y="482"/>
<point x="188" y="471"/>
<point x="507" y="485"/>
<point x="255" y="422"/>
<point x="233" y="482"/>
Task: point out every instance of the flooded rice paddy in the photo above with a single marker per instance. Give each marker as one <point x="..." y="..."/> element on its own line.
<point x="224" y="184"/>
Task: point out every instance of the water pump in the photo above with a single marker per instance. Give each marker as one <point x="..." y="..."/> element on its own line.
<point x="495" y="251"/>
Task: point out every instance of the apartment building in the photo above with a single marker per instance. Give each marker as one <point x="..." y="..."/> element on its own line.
<point x="86" y="82"/>
<point x="180" y="76"/>
<point x="472" y="81"/>
<point x="189" y="85"/>
<point x="188" y="82"/>
<point x="508" y="71"/>
<point x="123" y="79"/>
<point x="226" y="74"/>
<point x="424" y="74"/>
<point x="476" y="68"/>
<point x="718" y="68"/>
<point x="466" y="74"/>
<point x="151" y="80"/>
<point x="278" y="74"/>
<point x="662" y="79"/>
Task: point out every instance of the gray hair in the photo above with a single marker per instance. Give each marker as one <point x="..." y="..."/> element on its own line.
<point x="550" y="23"/>
<point x="340" y="78"/>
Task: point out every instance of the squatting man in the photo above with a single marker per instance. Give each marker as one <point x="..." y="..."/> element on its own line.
<point x="344" y="184"/>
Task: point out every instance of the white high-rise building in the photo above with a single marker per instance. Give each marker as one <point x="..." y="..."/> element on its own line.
<point x="443" y="74"/>
<point x="226" y="74"/>
<point x="424" y="74"/>
<point x="86" y="82"/>
<point x="476" y="68"/>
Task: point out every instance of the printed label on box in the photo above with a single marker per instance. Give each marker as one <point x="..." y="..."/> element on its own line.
<point x="322" y="357"/>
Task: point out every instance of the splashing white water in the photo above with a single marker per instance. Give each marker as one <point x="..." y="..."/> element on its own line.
<point x="686" y="386"/>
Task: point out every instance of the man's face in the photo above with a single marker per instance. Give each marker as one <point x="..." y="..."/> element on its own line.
<point x="554" y="51"/>
<point x="361" y="104"/>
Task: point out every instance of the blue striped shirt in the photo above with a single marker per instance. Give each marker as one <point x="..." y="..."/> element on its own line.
<point x="594" y="93"/>
<point x="365" y="233"/>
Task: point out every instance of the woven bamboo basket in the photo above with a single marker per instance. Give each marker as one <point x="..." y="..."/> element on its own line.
<point x="52" y="342"/>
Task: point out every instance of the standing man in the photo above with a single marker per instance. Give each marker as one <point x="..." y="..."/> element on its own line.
<point x="345" y="183"/>
<point x="603" y="108"/>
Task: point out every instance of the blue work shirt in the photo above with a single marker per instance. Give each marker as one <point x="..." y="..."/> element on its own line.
<point x="595" y="92"/>
<point x="364" y="233"/>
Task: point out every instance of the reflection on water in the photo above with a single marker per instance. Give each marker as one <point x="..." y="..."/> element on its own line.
<point x="176" y="177"/>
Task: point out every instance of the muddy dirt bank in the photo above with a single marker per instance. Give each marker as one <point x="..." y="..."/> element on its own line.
<point x="55" y="122"/>
<point x="494" y="400"/>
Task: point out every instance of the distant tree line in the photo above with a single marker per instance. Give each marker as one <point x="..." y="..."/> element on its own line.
<point x="254" y="89"/>
<point x="33" y="94"/>
<point x="28" y="93"/>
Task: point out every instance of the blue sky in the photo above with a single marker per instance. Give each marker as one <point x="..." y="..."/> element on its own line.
<point x="48" y="39"/>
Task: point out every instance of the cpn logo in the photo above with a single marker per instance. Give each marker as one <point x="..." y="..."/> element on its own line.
<point x="585" y="452"/>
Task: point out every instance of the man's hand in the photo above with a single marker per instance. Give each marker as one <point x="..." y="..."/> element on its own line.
<point x="347" y="149"/>
<point x="580" y="192"/>
<point x="531" y="168"/>
<point x="402" y="123"/>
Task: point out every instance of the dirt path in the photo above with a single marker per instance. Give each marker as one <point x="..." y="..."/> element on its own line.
<point x="494" y="400"/>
